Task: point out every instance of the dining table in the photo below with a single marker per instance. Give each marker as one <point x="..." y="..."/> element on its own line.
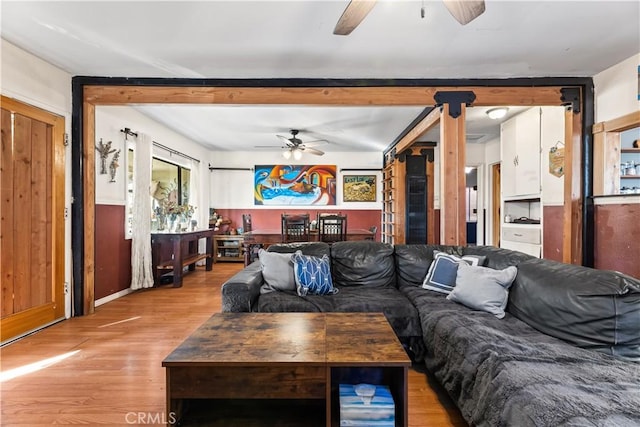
<point x="262" y="238"/>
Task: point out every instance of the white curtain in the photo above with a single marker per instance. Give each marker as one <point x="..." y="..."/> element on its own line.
<point x="141" y="269"/>
<point x="195" y="196"/>
<point x="195" y="199"/>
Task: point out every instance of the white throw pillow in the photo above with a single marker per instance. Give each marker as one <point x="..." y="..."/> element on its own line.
<point x="483" y="288"/>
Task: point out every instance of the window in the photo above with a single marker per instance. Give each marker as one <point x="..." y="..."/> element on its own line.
<point x="169" y="182"/>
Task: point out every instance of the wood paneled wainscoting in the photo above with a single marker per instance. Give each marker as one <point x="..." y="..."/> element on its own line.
<point x="105" y="369"/>
<point x="270" y="218"/>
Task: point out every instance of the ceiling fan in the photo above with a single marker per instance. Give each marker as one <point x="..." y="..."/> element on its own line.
<point x="464" y="11"/>
<point x="294" y="146"/>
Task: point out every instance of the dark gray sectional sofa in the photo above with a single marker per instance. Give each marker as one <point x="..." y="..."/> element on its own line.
<point x="567" y="353"/>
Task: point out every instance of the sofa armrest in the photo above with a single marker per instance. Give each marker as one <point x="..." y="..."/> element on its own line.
<point x="240" y="293"/>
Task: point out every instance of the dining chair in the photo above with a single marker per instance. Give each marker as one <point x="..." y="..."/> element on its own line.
<point x="246" y="222"/>
<point x="295" y="228"/>
<point x="332" y="228"/>
<point x="373" y="229"/>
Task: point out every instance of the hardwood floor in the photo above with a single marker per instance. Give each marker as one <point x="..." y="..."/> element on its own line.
<point x="105" y="368"/>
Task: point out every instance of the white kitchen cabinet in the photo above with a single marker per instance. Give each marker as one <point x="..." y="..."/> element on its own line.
<point x="520" y="145"/>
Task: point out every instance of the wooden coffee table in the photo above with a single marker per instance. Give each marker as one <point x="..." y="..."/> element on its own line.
<point x="260" y="369"/>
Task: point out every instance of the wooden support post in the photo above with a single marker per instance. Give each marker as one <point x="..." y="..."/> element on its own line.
<point x="572" y="230"/>
<point x="452" y="178"/>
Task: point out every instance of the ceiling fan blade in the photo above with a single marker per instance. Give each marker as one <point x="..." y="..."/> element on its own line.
<point x="313" y="151"/>
<point x="315" y="142"/>
<point x="352" y="16"/>
<point x="284" y="139"/>
<point x="465" y="11"/>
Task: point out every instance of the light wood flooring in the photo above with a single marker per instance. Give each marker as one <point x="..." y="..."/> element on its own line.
<point x="105" y="368"/>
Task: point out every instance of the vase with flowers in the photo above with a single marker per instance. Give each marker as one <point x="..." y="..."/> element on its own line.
<point x="175" y="216"/>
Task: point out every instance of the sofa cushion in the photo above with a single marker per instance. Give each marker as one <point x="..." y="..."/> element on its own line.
<point x="441" y="276"/>
<point x="589" y="308"/>
<point x="497" y="258"/>
<point x="363" y="263"/>
<point x="312" y="274"/>
<point x="277" y="271"/>
<point x="308" y="248"/>
<point x="413" y="262"/>
<point x="505" y="373"/>
<point x="483" y="288"/>
<point x="401" y="314"/>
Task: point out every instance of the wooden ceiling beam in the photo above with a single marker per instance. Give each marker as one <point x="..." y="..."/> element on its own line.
<point x="430" y="120"/>
<point x="339" y="96"/>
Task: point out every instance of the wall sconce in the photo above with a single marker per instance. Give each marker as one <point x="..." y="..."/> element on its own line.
<point x="497" y="113"/>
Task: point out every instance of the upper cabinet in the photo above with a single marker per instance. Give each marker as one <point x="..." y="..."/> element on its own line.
<point x="527" y="140"/>
<point x="520" y="144"/>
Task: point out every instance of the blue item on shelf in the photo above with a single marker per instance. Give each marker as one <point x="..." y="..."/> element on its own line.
<point x="359" y="408"/>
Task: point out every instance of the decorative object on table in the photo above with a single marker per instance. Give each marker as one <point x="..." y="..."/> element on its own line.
<point x="104" y="150"/>
<point x="114" y="165"/>
<point x="278" y="185"/>
<point x="359" y="188"/>
<point x="366" y="405"/>
<point x="556" y="159"/>
<point x="172" y="216"/>
<point x="194" y="224"/>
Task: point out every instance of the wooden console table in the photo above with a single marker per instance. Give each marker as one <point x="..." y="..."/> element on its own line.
<point x="174" y="251"/>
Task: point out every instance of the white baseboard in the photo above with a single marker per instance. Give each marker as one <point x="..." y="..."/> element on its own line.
<point x="111" y="297"/>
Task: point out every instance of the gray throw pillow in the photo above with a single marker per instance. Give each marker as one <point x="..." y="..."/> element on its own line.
<point x="277" y="272"/>
<point x="483" y="288"/>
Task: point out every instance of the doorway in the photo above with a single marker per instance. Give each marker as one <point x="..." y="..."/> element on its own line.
<point x="92" y="91"/>
<point x="496" y="216"/>
<point x="32" y="243"/>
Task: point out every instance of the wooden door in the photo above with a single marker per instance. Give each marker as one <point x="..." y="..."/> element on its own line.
<point x="32" y="218"/>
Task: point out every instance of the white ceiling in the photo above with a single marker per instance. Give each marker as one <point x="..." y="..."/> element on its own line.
<point x="293" y="39"/>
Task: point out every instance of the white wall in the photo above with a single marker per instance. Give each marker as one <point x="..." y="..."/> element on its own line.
<point x="616" y="90"/>
<point x="234" y="189"/>
<point x="551" y="133"/>
<point x="111" y="119"/>
<point x="29" y="79"/>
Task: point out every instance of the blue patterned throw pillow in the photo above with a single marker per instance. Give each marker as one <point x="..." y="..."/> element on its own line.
<point x="312" y="275"/>
<point x="441" y="276"/>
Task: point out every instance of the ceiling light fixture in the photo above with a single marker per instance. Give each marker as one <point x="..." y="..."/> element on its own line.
<point x="295" y="152"/>
<point x="497" y="113"/>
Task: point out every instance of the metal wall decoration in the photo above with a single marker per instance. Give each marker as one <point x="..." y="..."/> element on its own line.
<point x="104" y="150"/>
<point x="359" y="188"/>
<point x="278" y="185"/>
<point x="114" y="165"/>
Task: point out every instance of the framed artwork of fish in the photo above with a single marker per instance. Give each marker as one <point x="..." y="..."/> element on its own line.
<point x="297" y="185"/>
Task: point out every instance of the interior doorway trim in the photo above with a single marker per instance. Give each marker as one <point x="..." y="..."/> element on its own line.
<point x="89" y="92"/>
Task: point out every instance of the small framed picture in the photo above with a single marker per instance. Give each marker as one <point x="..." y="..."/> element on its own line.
<point x="359" y="188"/>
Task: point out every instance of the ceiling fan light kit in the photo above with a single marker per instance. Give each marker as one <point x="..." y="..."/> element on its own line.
<point x="497" y="113"/>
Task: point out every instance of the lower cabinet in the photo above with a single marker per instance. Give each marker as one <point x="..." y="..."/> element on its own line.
<point x="522" y="237"/>
<point x="227" y="248"/>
